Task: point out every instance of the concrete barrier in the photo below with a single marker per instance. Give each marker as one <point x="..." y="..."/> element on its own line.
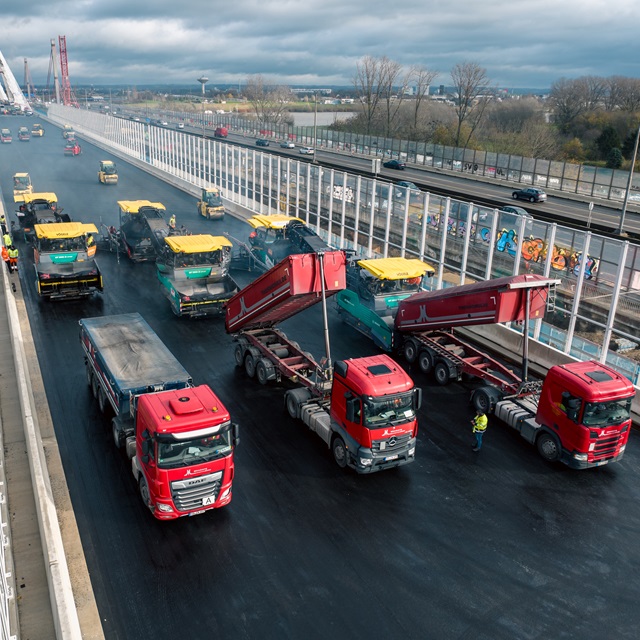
<point x="61" y="593"/>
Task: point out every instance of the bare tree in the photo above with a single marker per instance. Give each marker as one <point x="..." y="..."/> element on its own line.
<point x="389" y="73"/>
<point x="570" y="100"/>
<point x="595" y="89"/>
<point x="367" y="85"/>
<point x="629" y="94"/>
<point x="422" y="78"/>
<point x="471" y="85"/>
<point x="268" y="102"/>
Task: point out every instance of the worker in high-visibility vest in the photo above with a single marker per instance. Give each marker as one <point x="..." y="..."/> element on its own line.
<point x="5" y="257"/>
<point x="172" y="221"/>
<point x="479" y="427"/>
<point x="6" y="240"/>
<point x="13" y="258"/>
<point x="3" y="224"/>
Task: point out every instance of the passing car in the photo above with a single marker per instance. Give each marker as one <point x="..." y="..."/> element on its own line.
<point x="532" y="194"/>
<point x="72" y="148"/>
<point x="519" y="211"/>
<point x="287" y="144"/>
<point x="394" y="164"/>
<point x="180" y="125"/>
<point x="307" y="150"/>
<point x="262" y="143"/>
<point x="5" y="136"/>
<point x="402" y="186"/>
<point x="23" y="134"/>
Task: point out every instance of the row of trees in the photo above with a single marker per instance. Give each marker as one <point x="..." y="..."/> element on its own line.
<point x="585" y="119"/>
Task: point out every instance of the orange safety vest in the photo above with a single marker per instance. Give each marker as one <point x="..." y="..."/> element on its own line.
<point x="5" y="254"/>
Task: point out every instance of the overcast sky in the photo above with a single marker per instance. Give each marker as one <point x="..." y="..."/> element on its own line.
<point x="318" y="42"/>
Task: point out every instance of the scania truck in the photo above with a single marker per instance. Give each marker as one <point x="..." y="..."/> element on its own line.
<point x="179" y="437"/>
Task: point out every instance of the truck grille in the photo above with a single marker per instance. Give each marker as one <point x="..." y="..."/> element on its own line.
<point x="188" y="494"/>
<point x="390" y="445"/>
<point x="607" y="445"/>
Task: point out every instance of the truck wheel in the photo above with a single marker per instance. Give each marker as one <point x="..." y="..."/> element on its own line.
<point x="89" y="376"/>
<point x="484" y="399"/>
<point x="410" y="351"/>
<point x="238" y="354"/>
<point x="425" y="361"/>
<point x="103" y="403"/>
<point x="339" y="452"/>
<point x="118" y="436"/>
<point x="262" y="372"/>
<point x="144" y="492"/>
<point x="441" y="373"/>
<point x="250" y="365"/>
<point x="295" y="345"/>
<point x="292" y="405"/>
<point x="95" y="386"/>
<point x="548" y="447"/>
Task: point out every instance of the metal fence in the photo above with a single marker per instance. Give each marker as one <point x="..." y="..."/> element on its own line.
<point x="591" y="182"/>
<point x="598" y="302"/>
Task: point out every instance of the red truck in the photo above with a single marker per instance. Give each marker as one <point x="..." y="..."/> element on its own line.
<point x="179" y="438"/>
<point x="364" y="409"/>
<point x="221" y="132"/>
<point x="556" y="415"/>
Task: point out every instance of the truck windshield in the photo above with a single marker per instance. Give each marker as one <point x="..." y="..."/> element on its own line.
<point x="388" y="410"/>
<point x="603" y="414"/>
<point x="185" y="453"/>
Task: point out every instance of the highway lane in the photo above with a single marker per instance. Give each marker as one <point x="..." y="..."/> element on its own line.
<point x="497" y="545"/>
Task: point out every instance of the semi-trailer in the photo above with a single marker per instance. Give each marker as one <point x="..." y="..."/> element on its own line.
<point x="179" y="437"/>
<point x="364" y="409"/>
<point x="556" y="414"/>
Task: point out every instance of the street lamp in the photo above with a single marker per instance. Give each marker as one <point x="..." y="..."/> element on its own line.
<point x="315" y="124"/>
<point x="203" y="80"/>
<point x="626" y="195"/>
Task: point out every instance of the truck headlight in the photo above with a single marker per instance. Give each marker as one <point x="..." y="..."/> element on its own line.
<point x="225" y="493"/>
<point x="412" y="451"/>
<point x="165" y="508"/>
<point x="623" y="447"/>
<point x="582" y="457"/>
<point x="366" y="462"/>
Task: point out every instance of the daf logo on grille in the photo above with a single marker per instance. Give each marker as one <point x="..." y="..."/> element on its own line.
<point x="392" y="442"/>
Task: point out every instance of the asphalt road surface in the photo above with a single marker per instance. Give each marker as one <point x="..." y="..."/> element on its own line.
<point x="495" y="545"/>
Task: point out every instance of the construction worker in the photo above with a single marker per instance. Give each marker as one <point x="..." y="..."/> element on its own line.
<point x="6" y="239"/>
<point x="479" y="427"/>
<point x="172" y="221"/>
<point x="3" y="224"/>
<point x="13" y="258"/>
<point x="5" y="257"/>
<point x="90" y="240"/>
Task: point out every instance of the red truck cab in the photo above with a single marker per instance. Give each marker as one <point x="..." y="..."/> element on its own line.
<point x="374" y="407"/>
<point x="221" y="132"/>
<point x="587" y="405"/>
<point x="184" y="452"/>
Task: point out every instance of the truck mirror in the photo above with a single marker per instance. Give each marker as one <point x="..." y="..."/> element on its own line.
<point x="236" y="434"/>
<point x="145" y="459"/>
<point x="145" y="446"/>
<point x="145" y="434"/>
<point x="417" y="398"/>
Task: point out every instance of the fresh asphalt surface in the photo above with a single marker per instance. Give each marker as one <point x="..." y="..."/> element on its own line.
<point x="457" y="545"/>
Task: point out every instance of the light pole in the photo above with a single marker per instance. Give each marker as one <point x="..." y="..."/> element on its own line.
<point x="626" y="195"/>
<point x="315" y="124"/>
<point x="203" y="80"/>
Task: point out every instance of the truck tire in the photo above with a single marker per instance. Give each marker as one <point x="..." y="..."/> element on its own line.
<point x="144" y="492"/>
<point x="548" y="447"/>
<point x="295" y="345"/>
<point x="89" y="376"/>
<point x="339" y="452"/>
<point x="292" y="405"/>
<point x="264" y="369"/>
<point x="103" y="403"/>
<point x="250" y="365"/>
<point x="425" y="361"/>
<point x="485" y="398"/>
<point x="410" y="351"/>
<point x="441" y="373"/>
<point x="118" y="436"/>
<point x="95" y="386"/>
<point x="238" y="354"/>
